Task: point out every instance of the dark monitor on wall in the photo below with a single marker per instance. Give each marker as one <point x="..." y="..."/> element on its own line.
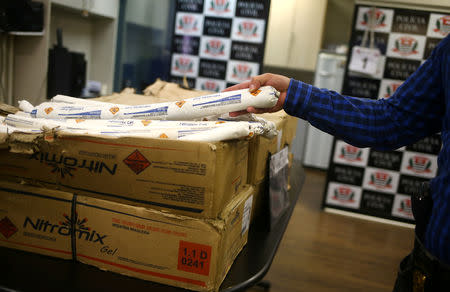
<point x="21" y="16"/>
<point x="66" y="70"/>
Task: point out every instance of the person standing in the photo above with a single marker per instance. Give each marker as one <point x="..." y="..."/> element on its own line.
<point x="419" y="108"/>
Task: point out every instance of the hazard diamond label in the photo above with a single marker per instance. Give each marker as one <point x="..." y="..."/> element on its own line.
<point x="7" y="228"/>
<point x="136" y="162"/>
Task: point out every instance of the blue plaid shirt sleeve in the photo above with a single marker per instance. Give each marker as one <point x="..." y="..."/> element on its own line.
<point x="413" y="112"/>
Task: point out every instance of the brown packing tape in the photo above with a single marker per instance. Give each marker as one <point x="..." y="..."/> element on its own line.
<point x="171" y="249"/>
<point x="6" y="109"/>
<point x="170" y="90"/>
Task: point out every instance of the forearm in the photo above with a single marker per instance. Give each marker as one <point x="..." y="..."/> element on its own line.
<point x="382" y="124"/>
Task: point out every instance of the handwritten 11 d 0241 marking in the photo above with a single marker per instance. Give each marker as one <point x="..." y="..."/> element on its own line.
<point x="194" y="257"/>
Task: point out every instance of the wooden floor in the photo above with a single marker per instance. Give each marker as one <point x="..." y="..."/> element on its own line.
<point x="328" y="252"/>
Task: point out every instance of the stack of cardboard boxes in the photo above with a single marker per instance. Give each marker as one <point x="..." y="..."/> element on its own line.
<point x="174" y="212"/>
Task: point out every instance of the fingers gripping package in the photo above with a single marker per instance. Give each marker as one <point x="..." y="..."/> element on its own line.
<point x="185" y="109"/>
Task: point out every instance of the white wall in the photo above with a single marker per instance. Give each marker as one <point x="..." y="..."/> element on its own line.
<point x="30" y="64"/>
<point x="148" y="12"/>
<point x="294" y="34"/>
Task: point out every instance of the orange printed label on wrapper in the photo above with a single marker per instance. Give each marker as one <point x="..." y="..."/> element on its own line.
<point x="255" y="93"/>
<point x="114" y="110"/>
<point x="180" y="103"/>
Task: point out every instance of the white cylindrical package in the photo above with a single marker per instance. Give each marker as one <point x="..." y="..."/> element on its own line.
<point x="20" y="121"/>
<point x="203" y="106"/>
<point x="221" y="134"/>
<point x="74" y="111"/>
<point x="22" y="114"/>
<point x="11" y="129"/>
<point x="264" y="128"/>
<point x="222" y="103"/>
<point x="25" y="106"/>
<point x="126" y="124"/>
<point x="56" y="110"/>
<point x="187" y="109"/>
<point x="169" y="133"/>
<point x="74" y="100"/>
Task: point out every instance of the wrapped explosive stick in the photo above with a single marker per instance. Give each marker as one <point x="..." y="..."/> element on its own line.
<point x="237" y="130"/>
<point x="10" y="129"/>
<point x="187" y="109"/>
<point x="224" y="133"/>
<point x="266" y="129"/>
<point x="27" y="122"/>
<point x="74" y="100"/>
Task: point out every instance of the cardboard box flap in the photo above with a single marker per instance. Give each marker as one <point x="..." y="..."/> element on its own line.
<point x="6" y="109"/>
<point x="160" y="91"/>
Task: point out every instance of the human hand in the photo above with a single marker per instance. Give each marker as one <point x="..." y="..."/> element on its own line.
<point x="279" y="82"/>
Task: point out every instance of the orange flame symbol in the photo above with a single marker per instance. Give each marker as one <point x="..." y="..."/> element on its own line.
<point x="180" y="103"/>
<point x="256" y="92"/>
<point x="114" y="110"/>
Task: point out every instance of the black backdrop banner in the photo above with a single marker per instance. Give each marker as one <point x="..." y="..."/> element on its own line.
<point x="218" y="43"/>
<point x="375" y="183"/>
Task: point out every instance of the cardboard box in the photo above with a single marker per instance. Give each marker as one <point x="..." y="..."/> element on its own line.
<point x="197" y="179"/>
<point x="176" y="250"/>
<point x="260" y="147"/>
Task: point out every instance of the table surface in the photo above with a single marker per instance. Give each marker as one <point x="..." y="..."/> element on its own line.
<point x="23" y="271"/>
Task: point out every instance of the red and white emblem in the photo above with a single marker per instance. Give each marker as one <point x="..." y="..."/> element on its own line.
<point x="344" y="194"/>
<point x="381" y="180"/>
<point x="184" y="65"/>
<point x="350" y="153"/>
<point x="406" y="46"/>
<point x="419" y="164"/>
<point x="242" y="72"/>
<point x="443" y="25"/>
